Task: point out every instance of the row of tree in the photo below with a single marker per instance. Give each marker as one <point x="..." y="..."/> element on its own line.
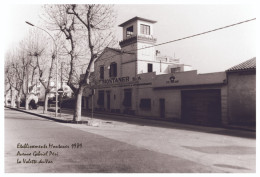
<point x="79" y="34"/>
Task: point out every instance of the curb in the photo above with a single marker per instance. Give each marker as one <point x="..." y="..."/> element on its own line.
<point x="228" y="127"/>
<point x="48" y="117"/>
<point x="239" y="128"/>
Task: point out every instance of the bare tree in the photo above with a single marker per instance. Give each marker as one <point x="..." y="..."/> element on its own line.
<point x="9" y="80"/>
<point x="28" y="68"/>
<point x="19" y="76"/>
<point x="44" y="61"/>
<point x="15" y="74"/>
<point x="86" y="28"/>
<point x="59" y="19"/>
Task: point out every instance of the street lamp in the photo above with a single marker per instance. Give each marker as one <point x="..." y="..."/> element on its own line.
<point x="55" y="55"/>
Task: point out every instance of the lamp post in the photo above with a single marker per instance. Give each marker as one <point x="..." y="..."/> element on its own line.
<point x="55" y="55"/>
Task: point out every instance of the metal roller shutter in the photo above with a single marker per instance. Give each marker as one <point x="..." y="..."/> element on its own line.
<point x="201" y="107"/>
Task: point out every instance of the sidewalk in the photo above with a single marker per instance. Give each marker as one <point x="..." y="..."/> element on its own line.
<point x="101" y="118"/>
<point x="62" y="118"/>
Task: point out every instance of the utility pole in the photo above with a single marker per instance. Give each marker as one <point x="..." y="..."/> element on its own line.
<point x="61" y="67"/>
<point x="92" y="102"/>
<point x="61" y="84"/>
<point x="35" y="86"/>
<point x="27" y="86"/>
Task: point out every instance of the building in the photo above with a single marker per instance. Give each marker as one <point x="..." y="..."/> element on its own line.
<point x="242" y="93"/>
<point x="136" y="79"/>
<point x="39" y="90"/>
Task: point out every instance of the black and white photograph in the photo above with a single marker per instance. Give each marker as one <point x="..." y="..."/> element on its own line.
<point x="129" y="87"/>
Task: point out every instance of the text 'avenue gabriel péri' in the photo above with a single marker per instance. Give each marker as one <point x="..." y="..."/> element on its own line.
<point x="39" y="154"/>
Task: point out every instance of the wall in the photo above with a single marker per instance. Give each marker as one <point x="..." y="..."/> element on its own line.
<point x="129" y="69"/>
<point x="105" y="60"/>
<point x="147" y="53"/>
<point x="187" y="68"/>
<point x="172" y="103"/>
<point x="158" y="68"/>
<point x="188" y="78"/>
<point x="129" y="57"/>
<point x="242" y="98"/>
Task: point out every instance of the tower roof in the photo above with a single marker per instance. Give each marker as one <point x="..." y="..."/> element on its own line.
<point x="136" y="18"/>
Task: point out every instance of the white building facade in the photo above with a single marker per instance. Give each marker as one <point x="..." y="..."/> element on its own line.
<point x="138" y="80"/>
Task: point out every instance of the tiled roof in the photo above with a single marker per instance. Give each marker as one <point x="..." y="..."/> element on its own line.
<point x="119" y="50"/>
<point x="115" y="49"/>
<point x="136" y="18"/>
<point x="247" y="65"/>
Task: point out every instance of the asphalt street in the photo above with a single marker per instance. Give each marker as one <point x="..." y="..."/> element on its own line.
<point x="119" y="147"/>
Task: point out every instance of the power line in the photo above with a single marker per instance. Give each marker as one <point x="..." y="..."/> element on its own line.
<point x="183" y="38"/>
<point x="210" y="31"/>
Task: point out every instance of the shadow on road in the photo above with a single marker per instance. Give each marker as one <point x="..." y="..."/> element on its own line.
<point x="140" y="121"/>
<point x="35" y="119"/>
<point x="169" y="124"/>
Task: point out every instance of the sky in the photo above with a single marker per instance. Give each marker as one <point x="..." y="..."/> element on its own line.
<point x="213" y="52"/>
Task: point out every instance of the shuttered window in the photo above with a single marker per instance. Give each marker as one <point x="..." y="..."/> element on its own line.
<point x="113" y="70"/>
<point x="145" y="29"/>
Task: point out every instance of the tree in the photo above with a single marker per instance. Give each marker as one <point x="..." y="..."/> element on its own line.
<point x="10" y="81"/>
<point x="15" y="74"/>
<point x="26" y="70"/>
<point x="43" y="61"/>
<point x="82" y="25"/>
<point x="19" y="76"/>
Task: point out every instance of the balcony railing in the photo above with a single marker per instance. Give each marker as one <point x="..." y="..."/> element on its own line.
<point x="138" y="38"/>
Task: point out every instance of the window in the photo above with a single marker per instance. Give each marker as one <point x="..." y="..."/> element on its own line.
<point x="101" y="72"/>
<point x="174" y="70"/>
<point x="101" y="97"/>
<point x="113" y="70"/>
<point x="127" y="98"/>
<point x="145" y="29"/>
<point x="129" y="31"/>
<point x="150" y="67"/>
<point x="145" y="104"/>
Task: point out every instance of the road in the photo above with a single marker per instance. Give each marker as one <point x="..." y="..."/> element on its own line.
<point x="121" y="147"/>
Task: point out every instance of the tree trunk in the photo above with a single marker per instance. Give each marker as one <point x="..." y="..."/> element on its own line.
<point x="6" y="100"/>
<point x="77" y="111"/>
<point x="45" y="108"/>
<point x="18" y="100"/>
<point x="12" y="99"/>
<point x="26" y="102"/>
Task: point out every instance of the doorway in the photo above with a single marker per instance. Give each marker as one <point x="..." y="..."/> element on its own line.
<point x="108" y="100"/>
<point x="162" y="107"/>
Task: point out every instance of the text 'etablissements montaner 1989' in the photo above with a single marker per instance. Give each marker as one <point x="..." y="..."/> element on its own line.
<point x="43" y="146"/>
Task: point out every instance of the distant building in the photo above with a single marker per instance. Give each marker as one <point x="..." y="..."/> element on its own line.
<point x="39" y="90"/>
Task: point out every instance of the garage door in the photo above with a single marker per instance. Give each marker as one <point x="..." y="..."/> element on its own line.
<point x="201" y="107"/>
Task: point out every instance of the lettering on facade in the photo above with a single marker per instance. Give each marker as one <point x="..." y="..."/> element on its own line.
<point x="117" y="80"/>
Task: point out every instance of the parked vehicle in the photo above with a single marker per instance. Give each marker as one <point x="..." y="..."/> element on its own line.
<point x="52" y="107"/>
<point x="32" y="104"/>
